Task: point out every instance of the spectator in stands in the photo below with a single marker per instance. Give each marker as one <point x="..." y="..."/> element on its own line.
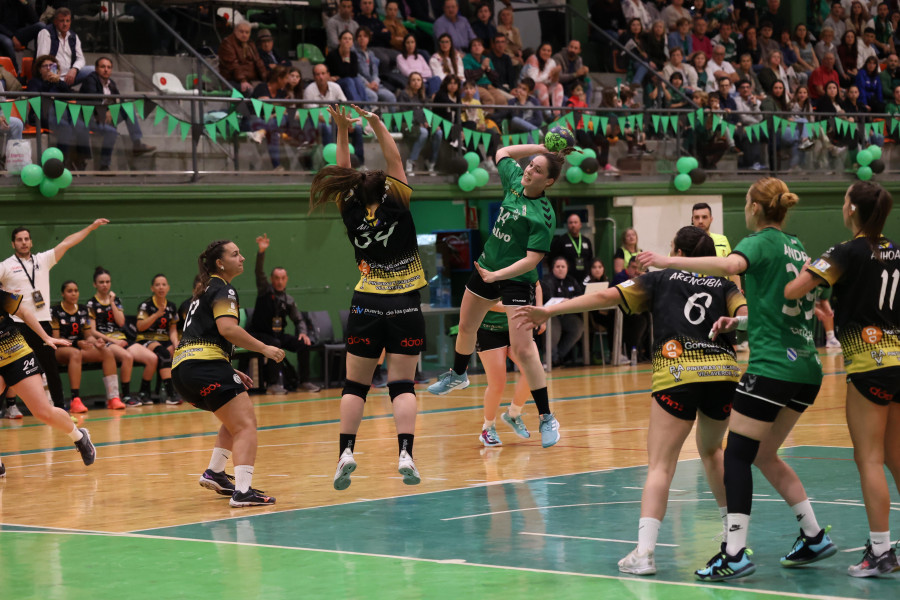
<point x="727" y="39"/>
<point x="474" y="117"/>
<point x="410" y="61"/>
<point x="672" y="14"/>
<point x="635" y="42"/>
<point x="857" y="19"/>
<point x="566" y="330"/>
<point x="480" y="69"/>
<point x="807" y="61"/>
<point x="447" y="60"/>
<point x="368" y="69"/>
<point x="801" y="113"/>
<point x="58" y="40"/>
<point x="507" y="73"/>
<point x="868" y="81"/>
<point x="343" y="65"/>
<point x="635" y="9"/>
<point x="394" y="24"/>
<point x="745" y="72"/>
<point x="657" y="45"/>
<point x="718" y="67"/>
<point x="749" y="44"/>
<point x="726" y="100"/>
<point x="47" y="81"/>
<point x="710" y="143"/>
<point x="483" y="24"/>
<point x="575" y="249"/>
<point x="101" y="82"/>
<point x="339" y="23"/>
<point x="884" y="30"/>
<point x="833" y="147"/>
<point x="527" y="116"/>
<point x="541" y="67"/>
<point x="770" y="14"/>
<point x="698" y="62"/>
<point x="415" y="93"/>
<point x="678" y="96"/>
<point x="513" y="36"/>
<point x="682" y="38"/>
<point x="626" y="251"/>
<point x="449" y="94"/>
<point x="239" y="62"/>
<point x="424" y="10"/>
<point x="819" y="77"/>
<point x="452" y="23"/>
<point x="767" y="45"/>
<point x="748" y="107"/>
<point x="775" y="71"/>
<point x="262" y="128"/>
<point x="786" y="46"/>
<point x="367" y="17"/>
<point x="777" y="101"/>
<point x="848" y="52"/>
<point x="265" y="47"/>
<point x="857" y="112"/>
<point x="327" y="92"/>
<point x="826" y="44"/>
<point x="676" y="64"/>
<point x="608" y="16"/>
<point x="14" y="15"/>
<point x="866" y="47"/>
<point x="836" y="21"/>
<point x="13" y="127"/>
<point x="893" y="107"/>
<point x="574" y="71"/>
<point x="656" y="93"/>
<point x="890" y="76"/>
<point x="700" y="42"/>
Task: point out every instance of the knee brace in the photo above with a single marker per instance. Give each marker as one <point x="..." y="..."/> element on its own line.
<point x="355" y="388"/>
<point x="404" y="386"/>
<point x="739" y="456"/>
<point x="165" y="359"/>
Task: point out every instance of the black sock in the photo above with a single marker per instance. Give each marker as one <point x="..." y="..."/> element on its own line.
<point x="11" y="401"/>
<point x="76" y="392"/>
<point x="170" y="388"/>
<point x="405" y="441"/>
<point x="126" y="388"/>
<point x="541" y="400"/>
<point x="460" y="362"/>
<point x="347" y="440"/>
<point x="739" y="456"/>
<point x="145" y="386"/>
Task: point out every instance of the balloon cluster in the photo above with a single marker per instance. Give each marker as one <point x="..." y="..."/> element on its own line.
<point x="689" y="172"/>
<point x="329" y="153"/>
<point x="474" y="176"/>
<point x="583" y="166"/>
<point x="51" y="176"/>
<point x="869" y="161"/>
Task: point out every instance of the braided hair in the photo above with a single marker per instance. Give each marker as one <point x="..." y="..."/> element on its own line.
<point x="206" y="264"/>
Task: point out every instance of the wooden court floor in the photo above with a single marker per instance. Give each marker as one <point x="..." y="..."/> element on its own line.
<point x="519" y="518"/>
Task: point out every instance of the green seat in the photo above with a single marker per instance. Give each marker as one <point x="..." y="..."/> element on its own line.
<point x="194" y="80"/>
<point x="311" y="53"/>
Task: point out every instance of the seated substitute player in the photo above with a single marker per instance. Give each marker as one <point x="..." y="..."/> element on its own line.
<point x="157" y="319"/>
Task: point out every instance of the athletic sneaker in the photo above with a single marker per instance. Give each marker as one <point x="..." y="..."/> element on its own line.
<point x="13" y="412"/>
<point x="833" y="343"/>
<point x="131" y="401"/>
<point x="346" y="465"/>
<point x="146" y="400"/>
<point x="549" y="430"/>
<point x="174" y="400"/>
<point x="77" y="406"/>
<point x="489" y="437"/>
<point x="85" y="447"/>
<point x="637" y="563"/>
<point x="221" y="483"/>
<point x="872" y="566"/>
<point x="808" y="550"/>
<point x="448" y="382"/>
<point x="2" y="470"/>
<point x="723" y="567"/>
<point x="407" y="468"/>
<point x="250" y="498"/>
<point x="517" y="424"/>
<point x="115" y="404"/>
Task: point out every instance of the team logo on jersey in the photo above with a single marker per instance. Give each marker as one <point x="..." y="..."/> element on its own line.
<point x="821" y="265"/>
<point x="364" y="268"/>
<point x="749" y="382"/>
<point x="672" y="349"/>
<point x="676" y="371"/>
<point x="231" y="292"/>
<point x="872" y="334"/>
<point x="877" y="356"/>
<point x="626" y="284"/>
<point x="791" y="354"/>
<point x="237" y="378"/>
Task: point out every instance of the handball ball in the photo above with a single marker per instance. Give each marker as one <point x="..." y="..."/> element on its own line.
<point x="558" y="139"/>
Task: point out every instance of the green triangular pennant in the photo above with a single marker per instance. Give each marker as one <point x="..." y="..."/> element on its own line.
<point x="764" y="126"/>
<point x="35" y="106"/>
<point x="75" y="111"/>
<point x="776" y="123"/>
<point x="139" y="109"/>
<point x="173" y="123"/>
<point x="640" y="121"/>
<point x="690" y="118"/>
<point x="257" y="105"/>
<point x="408" y="117"/>
<point x="58" y="106"/>
<point x="604" y="123"/>
<point x="128" y="107"/>
<point x="866" y="129"/>
<point x="878" y="126"/>
<point x="211" y="131"/>
<point x="535" y="136"/>
<point x="478" y="138"/>
<point x="571" y="119"/>
<point x="222" y="127"/>
<point x="6" y="107"/>
<point x="236" y="94"/>
<point x="314" y="114"/>
<point x="448" y="126"/>
<point x="467" y="136"/>
<point x="428" y="116"/>
<point x="279" y="113"/>
<point x="303" y="115"/>
<point x="389" y="120"/>
<point x="716" y="122"/>
<point x="630" y="120"/>
<point x="673" y="123"/>
<point x="700" y="115"/>
<point x="267" y="110"/>
<point x="160" y="115"/>
<point x="621" y="121"/>
<point x="233" y="121"/>
<point x="114" y="113"/>
<point x="654" y="122"/>
<point x="840" y="125"/>
<point x="894" y="124"/>
<point x="505" y="140"/>
<point x="792" y="127"/>
<point x="87" y="111"/>
<point x="185" y="127"/>
<point x="853" y="127"/>
<point x="435" y="123"/>
<point x="22" y="107"/>
<point x="750" y="131"/>
<point x="731" y="128"/>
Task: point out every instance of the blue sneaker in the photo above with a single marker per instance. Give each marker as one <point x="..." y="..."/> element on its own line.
<point x="448" y="382"/>
<point x="549" y="430"/>
<point x="723" y="567"/>
<point x="517" y="424"/>
<point x="808" y="550"/>
<point x="489" y="437"/>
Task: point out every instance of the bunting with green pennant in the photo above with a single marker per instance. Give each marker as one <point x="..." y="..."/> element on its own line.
<point x="654" y="122"/>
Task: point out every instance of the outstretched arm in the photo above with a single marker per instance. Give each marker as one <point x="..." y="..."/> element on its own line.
<point x="343" y="120"/>
<point x="536" y="315"/>
<point x="76" y="238"/>
<point x="802" y="285"/>
<point x="388" y="145"/>
<point x="520" y="151"/>
<point x="721" y="266"/>
<point x="27" y="315"/>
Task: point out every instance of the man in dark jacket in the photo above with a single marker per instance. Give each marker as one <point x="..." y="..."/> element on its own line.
<point x="239" y="62"/>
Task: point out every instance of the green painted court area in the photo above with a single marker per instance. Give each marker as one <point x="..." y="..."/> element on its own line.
<point x="557" y="537"/>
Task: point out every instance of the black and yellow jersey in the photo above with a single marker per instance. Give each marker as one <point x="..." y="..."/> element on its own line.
<point x="202" y="340"/>
<point x="12" y="345"/>
<point x="72" y="326"/>
<point x="387" y="253"/>
<point x="867" y="314"/>
<point x="684" y="307"/>
<point x="159" y="329"/>
<point x="103" y="319"/>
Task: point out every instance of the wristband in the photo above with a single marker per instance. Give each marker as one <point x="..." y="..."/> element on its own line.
<point x="742" y="323"/>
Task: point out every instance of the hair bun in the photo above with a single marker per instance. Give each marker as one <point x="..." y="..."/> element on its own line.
<point x="788" y="199"/>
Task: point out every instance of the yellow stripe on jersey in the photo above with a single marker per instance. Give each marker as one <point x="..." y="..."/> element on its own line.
<point x="13" y="348"/>
<point x="225" y="308"/>
<point x="198" y="351"/>
<point x="11" y="302"/>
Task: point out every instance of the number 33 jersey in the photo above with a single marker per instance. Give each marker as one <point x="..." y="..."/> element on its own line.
<point x="684" y="307"/>
<point x="867" y="312"/>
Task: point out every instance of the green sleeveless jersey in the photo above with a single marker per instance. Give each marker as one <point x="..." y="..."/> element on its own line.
<point x="780" y="331"/>
<point x="495" y="321"/>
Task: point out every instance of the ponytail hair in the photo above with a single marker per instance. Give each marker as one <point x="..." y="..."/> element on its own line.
<point x="206" y="265"/>
<point x="693" y="241"/>
<point x="100" y="271"/>
<point x="344" y="186"/>
<point x="554" y="165"/>
<point x="773" y="197"/>
<point x="873" y="205"/>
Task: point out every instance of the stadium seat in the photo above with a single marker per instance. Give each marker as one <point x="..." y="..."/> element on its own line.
<point x="310" y="52"/>
<point x="168" y="83"/>
<point x="7" y="63"/>
<point x="27" y="61"/>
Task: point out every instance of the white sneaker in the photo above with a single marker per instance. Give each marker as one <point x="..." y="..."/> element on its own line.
<point x="831" y="342"/>
<point x="429" y="166"/>
<point x="257" y="136"/>
<point x="638" y="564"/>
<point x="407" y="468"/>
<point x="13" y="412"/>
<point x="346" y="465"/>
<point x="410" y="167"/>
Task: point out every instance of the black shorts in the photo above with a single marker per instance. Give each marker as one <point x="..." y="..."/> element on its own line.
<point x="129" y="343"/>
<point x="19" y="369"/>
<point x="881" y="386"/>
<point x="712" y="398"/>
<point x="511" y="293"/>
<point x="207" y="384"/>
<point x="761" y="398"/>
<point x="491" y="340"/>
<point x="385" y="322"/>
<point x="148" y="343"/>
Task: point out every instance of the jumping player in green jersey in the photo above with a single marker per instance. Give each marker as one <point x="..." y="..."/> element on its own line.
<point x="506" y="271"/>
<point x="864" y="273"/>
<point x="781" y="381"/>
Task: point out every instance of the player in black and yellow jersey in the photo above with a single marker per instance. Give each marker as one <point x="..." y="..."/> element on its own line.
<point x="107" y="321"/>
<point x="71" y="321"/>
<point x="21" y="372"/>
<point x="385" y="313"/>
<point x="693" y="377"/>
<point x="865" y="274"/>
<point x="203" y="374"/>
<point x="157" y="331"/>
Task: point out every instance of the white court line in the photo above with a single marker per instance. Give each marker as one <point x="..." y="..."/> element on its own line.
<point x="629" y="487"/>
<point x="854" y="549"/>
<point x="578" y="537"/>
<point x="592" y="485"/>
<point x="555" y="483"/>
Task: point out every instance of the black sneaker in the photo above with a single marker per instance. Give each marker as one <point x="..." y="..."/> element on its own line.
<point x="808" y="550"/>
<point x="873" y="566"/>
<point x="250" y="498"/>
<point x="221" y="483"/>
<point x="145" y="398"/>
<point x="132" y="401"/>
<point x="85" y="447"/>
<point x="2" y="470"/>
<point x="174" y="400"/>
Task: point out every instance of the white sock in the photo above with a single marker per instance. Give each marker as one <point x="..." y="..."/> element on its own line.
<point x="112" y="386"/>
<point x="488" y="424"/>
<point x="218" y="459"/>
<point x="243" y="477"/>
<point x="881" y="542"/>
<point x="736" y="536"/>
<point x="514" y="411"/>
<point x="75" y="434"/>
<point x="807" y="518"/>
<point x="829" y="335"/>
<point x="648" y="532"/>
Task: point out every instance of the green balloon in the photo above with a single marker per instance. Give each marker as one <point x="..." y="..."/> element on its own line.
<point x="686" y="164"/>
<point x="590" y="153"/>
<point x="682" y="182"/>
<point x="574" y="174"/>
<point x="481" y="176"/>
<point x="875" y="151"/>
<point x="351" y="149"/>
<point x="590" y="177"/>
<point x="864" y="173"/>
<point x="32" y="175"/>
<point x="329" y="153"/>
<point x="863" y="158"/>
<point x="472" y="159"/>
<point x="467" y="182"/>
<point x="51" y="153"/>
<point x="48" y="188"/>
<point x="64" y="180"/>
<point x="575" y="157"/>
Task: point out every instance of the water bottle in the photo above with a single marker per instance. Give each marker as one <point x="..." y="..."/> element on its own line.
<point x="445" y="288"/>
<point x="440" y="287"/>
<point x="633" y="356"/>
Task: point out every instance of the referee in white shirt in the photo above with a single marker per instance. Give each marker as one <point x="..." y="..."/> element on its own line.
<point x="28" y="275"/>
